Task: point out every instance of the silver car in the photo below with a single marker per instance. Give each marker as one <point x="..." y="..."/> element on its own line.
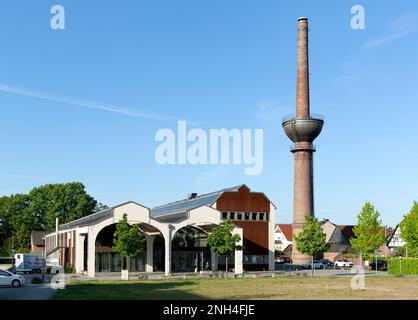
<point x="9" y="279"/>
<point x="316" y="264"/>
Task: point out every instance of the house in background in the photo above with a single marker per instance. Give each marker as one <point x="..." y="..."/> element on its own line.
<point x="37" y="243"/>
<point x="395" y="240"/>
<point x="283" y="238"/>
<point x="338" y="237"/>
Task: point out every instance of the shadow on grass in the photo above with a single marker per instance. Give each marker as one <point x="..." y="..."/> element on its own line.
<point x="172" y="290"/>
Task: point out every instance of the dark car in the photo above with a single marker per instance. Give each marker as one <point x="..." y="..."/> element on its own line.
<point x="328" y="264"/>
<point x="380" y="265"/>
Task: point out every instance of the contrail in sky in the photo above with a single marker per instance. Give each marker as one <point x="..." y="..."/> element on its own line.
<point x="86" y="103"/>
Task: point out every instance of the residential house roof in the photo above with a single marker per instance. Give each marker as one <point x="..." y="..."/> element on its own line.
<point x="287" y="230"/>
<point x="36" y="238"/>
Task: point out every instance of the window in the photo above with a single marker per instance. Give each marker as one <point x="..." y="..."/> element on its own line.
<point x="232" y="215"/>
<point x="239" y="216"/>
<point x="4" y="273"/>
<point x="261" y="216"/>
<point x="247" y="216"/>
<point x="254" y="216"/>
<point x="224" y="215"/>
<point x="267" y="217"/>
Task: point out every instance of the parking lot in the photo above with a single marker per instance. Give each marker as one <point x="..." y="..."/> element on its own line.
<point x="28" y="291"/>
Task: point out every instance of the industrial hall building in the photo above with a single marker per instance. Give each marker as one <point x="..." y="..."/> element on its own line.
<point x="176" y="235"/>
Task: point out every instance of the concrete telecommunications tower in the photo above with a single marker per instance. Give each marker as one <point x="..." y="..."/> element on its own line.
<point x="302" y="130"/>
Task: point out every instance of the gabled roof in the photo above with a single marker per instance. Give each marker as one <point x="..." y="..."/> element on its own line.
<point x="94" y="218"/>
<point x="341" y="248"/>
<point x="347" y="232"/>
<point x="287" y="230"/>
<point x="389" y="238"/>
<point x="182" y="206"/>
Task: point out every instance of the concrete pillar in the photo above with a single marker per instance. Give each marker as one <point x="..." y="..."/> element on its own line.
<point x="91" y="254"/>
<point x="167" y="241"/>
<point x="238" y="253"/>
<point x="214" y="261"/>
<point x="79" y="254"/>
<point x="149" y="267"/>
<point x="271" y="227"/>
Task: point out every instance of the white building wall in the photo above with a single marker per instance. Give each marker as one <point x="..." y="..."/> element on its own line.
<point x="280" y="241"/>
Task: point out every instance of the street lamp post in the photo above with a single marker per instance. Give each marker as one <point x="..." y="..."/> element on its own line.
<point x="400" y="264"/>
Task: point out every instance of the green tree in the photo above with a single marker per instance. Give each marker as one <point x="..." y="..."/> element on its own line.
<point x="38" y="210"/>
<point x="223" y="242"/>
<point x="22" y="239"/>
<point x="368" y="235"/>
<point x="66" y="201"/>
<point x="16" y="224"/>
<point x="311" y="240"/>
<point x="409" y="230"/>
<point x="128" y="240"/>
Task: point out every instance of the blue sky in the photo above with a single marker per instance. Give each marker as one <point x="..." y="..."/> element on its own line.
<point x="84" y="103"/>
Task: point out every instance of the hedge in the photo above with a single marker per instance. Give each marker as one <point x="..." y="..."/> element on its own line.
<point x="409" y="266"/>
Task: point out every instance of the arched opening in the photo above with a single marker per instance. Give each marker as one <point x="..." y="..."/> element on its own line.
<point x="190" y="252"/>
<point x="107" y="260"/>
<point x="159" y="254"/>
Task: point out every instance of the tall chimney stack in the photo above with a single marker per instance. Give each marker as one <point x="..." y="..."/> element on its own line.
<point x="302" y="130"/>
<point x="302" y="90"/>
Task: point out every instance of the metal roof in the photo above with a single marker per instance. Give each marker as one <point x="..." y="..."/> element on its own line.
<point x="92" y="218"/>
<point x="182" y="206"/>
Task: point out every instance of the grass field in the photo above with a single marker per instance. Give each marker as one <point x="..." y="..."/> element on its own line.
<point x="244" y="288"/>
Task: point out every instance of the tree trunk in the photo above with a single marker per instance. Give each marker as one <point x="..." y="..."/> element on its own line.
<point x="226" y="267"/>
<point x="361" y="258"/>
<point x="313" y="267"/>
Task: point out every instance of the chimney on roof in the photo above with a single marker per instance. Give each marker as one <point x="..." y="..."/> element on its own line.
<point x="191" y="195"/>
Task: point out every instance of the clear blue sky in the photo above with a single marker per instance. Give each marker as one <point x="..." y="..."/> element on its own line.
<point x="218" y="64"/>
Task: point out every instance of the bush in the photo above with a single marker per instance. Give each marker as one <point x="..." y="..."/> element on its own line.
<point x="36" y="280"/>
<point x="68" y="269"/>
<point x="409" y="266"/>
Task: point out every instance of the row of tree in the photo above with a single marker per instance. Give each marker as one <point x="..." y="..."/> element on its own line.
<point x="368" y="233"/>
<point x="20" y="214"/>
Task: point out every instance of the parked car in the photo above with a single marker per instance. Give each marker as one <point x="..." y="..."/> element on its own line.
<point x="9" y="279"/>
<point x="316" y="264"/>
<point x="328" y="264"/>
<point x="283" y="259"/>
<point x="380" y="265"/>
<point x="343" y="263"/>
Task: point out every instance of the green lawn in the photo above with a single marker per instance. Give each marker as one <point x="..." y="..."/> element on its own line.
<point x="281" y="287"/>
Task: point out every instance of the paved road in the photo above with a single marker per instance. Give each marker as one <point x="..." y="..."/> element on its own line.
<point x="28" y="292"/>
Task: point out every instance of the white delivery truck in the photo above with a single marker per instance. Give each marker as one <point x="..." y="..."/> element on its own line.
<point x="29" y="262"/>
